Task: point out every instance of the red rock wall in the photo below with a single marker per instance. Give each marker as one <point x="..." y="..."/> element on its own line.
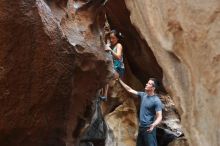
<point x="49" y="72"/>
<point x="184" y="37"/>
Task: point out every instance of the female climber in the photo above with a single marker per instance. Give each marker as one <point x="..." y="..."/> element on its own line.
<point x="115" y="47"/>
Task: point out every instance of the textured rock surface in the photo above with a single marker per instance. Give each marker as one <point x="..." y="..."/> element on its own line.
<point x="184" y="37"/>
<point x="121" y="117"/>
<point x="170" y="129"/>
<point x="47" y="76"/>
<point x="179" y="142"/>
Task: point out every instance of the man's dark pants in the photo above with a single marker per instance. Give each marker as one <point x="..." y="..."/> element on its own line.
<point x="145" y="138"/>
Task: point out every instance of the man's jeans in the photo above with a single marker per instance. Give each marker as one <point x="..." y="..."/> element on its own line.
<point x="145" y="138"/>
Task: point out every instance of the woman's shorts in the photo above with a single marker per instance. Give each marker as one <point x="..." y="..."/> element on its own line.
<point x="120" y="71"/>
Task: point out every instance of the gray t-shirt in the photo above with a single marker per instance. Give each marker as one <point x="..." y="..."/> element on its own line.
<point x="148" y="108"/>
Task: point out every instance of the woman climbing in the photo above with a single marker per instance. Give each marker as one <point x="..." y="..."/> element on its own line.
<point x="115" y="47"/>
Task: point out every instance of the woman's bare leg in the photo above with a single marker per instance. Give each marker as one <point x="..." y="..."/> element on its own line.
<point x="116" y="75"/>
<point x="106" y="90"/>
<point x="104" y="94"/>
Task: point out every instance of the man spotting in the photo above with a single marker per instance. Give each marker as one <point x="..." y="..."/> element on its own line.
<point x="150" y="112"/>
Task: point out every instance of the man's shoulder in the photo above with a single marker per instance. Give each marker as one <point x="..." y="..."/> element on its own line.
<point x="157" y="100"/>
<point x="157" y="97"/>
<point x="141" y="93"/>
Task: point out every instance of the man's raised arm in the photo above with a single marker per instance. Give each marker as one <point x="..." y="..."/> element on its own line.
<point x="129" y="89"/>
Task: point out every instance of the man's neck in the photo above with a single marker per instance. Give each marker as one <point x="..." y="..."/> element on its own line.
<point x="150" y="93"/>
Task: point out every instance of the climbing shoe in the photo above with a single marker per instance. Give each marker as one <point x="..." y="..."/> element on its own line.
<point x="103" y="98"/>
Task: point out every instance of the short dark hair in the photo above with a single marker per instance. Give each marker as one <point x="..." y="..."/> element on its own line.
<point x="156" y="83"/>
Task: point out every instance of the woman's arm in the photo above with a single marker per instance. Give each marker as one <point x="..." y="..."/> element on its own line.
<point x="117" y="55"/>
